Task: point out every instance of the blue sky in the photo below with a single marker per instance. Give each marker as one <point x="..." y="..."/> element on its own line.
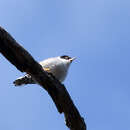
<point x="97" y="33"/>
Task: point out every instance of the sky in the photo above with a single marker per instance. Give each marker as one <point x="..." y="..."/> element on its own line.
<point x="94" y="31"/>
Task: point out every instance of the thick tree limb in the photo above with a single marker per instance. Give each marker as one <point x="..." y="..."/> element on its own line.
<point x="24" y="62"/>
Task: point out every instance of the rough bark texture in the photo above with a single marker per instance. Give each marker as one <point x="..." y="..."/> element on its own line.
<point x="24" y="62"/>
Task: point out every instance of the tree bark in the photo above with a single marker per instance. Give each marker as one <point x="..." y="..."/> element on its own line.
<point x="24" y="62"/>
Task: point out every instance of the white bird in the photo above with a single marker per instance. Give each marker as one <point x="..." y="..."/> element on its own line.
<point x="58" y="66"/>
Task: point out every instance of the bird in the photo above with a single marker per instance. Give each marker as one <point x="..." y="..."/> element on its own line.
<point x="57" y="66"/>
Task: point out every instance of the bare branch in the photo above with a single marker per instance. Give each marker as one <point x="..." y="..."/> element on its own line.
<point x="24" y="62"/>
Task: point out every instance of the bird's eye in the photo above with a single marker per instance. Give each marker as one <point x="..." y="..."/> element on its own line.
<point x="65" y="57"/>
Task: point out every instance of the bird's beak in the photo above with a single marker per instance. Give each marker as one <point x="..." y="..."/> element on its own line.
<point x="72" y="59"/>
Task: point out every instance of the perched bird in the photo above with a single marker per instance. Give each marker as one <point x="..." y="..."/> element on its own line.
<point x="58" y="66"/>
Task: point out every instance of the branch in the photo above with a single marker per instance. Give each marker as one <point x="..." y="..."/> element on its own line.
<point x="24" y="62"/>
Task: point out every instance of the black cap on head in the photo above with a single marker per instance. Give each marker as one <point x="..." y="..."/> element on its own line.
<point x="65" y="57"/>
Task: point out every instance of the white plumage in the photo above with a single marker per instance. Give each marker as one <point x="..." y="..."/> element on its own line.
<point x="58" y="66"/>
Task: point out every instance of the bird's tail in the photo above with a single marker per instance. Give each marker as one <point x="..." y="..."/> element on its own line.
<point x="23" y="80"/>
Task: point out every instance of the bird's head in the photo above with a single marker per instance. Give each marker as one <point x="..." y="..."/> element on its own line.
<point x="67" y="59"/>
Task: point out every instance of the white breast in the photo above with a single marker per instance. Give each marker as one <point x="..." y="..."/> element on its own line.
<point x="57" y="68"/>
